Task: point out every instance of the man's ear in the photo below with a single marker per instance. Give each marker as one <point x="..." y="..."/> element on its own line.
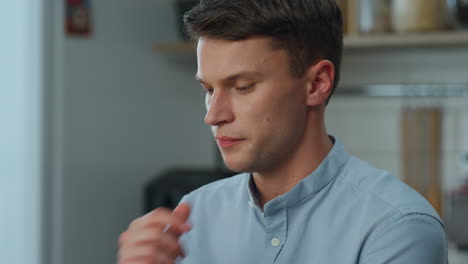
<point x="320" y="79"/>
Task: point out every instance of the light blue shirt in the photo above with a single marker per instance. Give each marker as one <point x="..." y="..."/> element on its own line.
<point x="346" y="211"/>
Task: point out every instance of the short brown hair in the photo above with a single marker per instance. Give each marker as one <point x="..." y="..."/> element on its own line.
<point x="309" y="30"/>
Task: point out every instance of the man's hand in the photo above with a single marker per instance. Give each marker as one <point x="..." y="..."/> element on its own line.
<point x="154" y="237"/>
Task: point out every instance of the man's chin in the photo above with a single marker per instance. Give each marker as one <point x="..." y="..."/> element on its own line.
<point x="237" y="166"/>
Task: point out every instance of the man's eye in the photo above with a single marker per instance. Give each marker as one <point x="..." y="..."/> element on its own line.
<point x="207" y="90"/>
<point x="245" y="88"/>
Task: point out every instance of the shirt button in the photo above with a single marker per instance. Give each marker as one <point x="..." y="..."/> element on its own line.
<point x="275" y="242"/>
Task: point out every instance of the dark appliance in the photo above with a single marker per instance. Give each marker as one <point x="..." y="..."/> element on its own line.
<point x="458" y="13"/>
<point x="167" y="189"/>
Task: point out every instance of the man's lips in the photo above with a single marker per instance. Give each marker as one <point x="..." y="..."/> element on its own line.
<point x="227" y="141"/>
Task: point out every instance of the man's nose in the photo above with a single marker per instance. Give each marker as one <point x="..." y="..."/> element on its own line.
<point x="218" y="109"/>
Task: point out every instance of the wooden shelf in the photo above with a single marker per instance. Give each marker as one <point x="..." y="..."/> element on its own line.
<point x="429" y="39"/>
<point x="432" y="39"/>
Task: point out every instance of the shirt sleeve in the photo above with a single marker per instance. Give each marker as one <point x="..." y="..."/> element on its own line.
<point x="412" y="239"/>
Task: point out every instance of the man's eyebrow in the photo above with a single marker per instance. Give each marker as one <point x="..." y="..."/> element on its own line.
<point x="233" y="77"/>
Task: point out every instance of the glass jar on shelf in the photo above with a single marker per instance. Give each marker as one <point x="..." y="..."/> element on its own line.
<point x="374" y="16"/>
<point x="417" y="15"/>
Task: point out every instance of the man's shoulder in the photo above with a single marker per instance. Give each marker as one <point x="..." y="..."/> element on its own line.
<point x="395" y="212"/>
<point x="384" y="191"/>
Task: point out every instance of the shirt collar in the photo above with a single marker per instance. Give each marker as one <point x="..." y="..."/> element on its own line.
<point x="310" y="185"/>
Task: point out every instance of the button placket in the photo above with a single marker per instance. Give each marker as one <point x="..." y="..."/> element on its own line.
<point x="276" y="232"/>
<point x="275" y="241"/>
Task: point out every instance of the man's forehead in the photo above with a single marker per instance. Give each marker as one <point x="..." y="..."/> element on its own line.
<point x="229" y="60"/>
<point x="257" y="50"/>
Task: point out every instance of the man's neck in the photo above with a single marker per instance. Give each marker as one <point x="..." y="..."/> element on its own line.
<point x="305" y="160"/>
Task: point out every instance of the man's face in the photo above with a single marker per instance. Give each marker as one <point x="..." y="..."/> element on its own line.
<point x="256" y="108"/>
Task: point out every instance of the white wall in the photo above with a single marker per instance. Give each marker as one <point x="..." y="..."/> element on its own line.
<point x="406" y="65"/>
<point x="20" y="132"/>
<point x="126" y="114"/>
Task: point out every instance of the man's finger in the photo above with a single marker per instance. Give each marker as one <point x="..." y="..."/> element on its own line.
<point x="159" y="217"/>
<point x="182" y="211"/>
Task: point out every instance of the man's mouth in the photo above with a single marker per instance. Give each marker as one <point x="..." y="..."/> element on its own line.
<point x="226" y="142"/>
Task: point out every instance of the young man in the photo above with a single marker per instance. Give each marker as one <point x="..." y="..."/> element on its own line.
<point x="269" y="68"/>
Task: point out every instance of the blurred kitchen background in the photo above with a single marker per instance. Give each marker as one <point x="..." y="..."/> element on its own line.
<point x="99" y="104"/>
